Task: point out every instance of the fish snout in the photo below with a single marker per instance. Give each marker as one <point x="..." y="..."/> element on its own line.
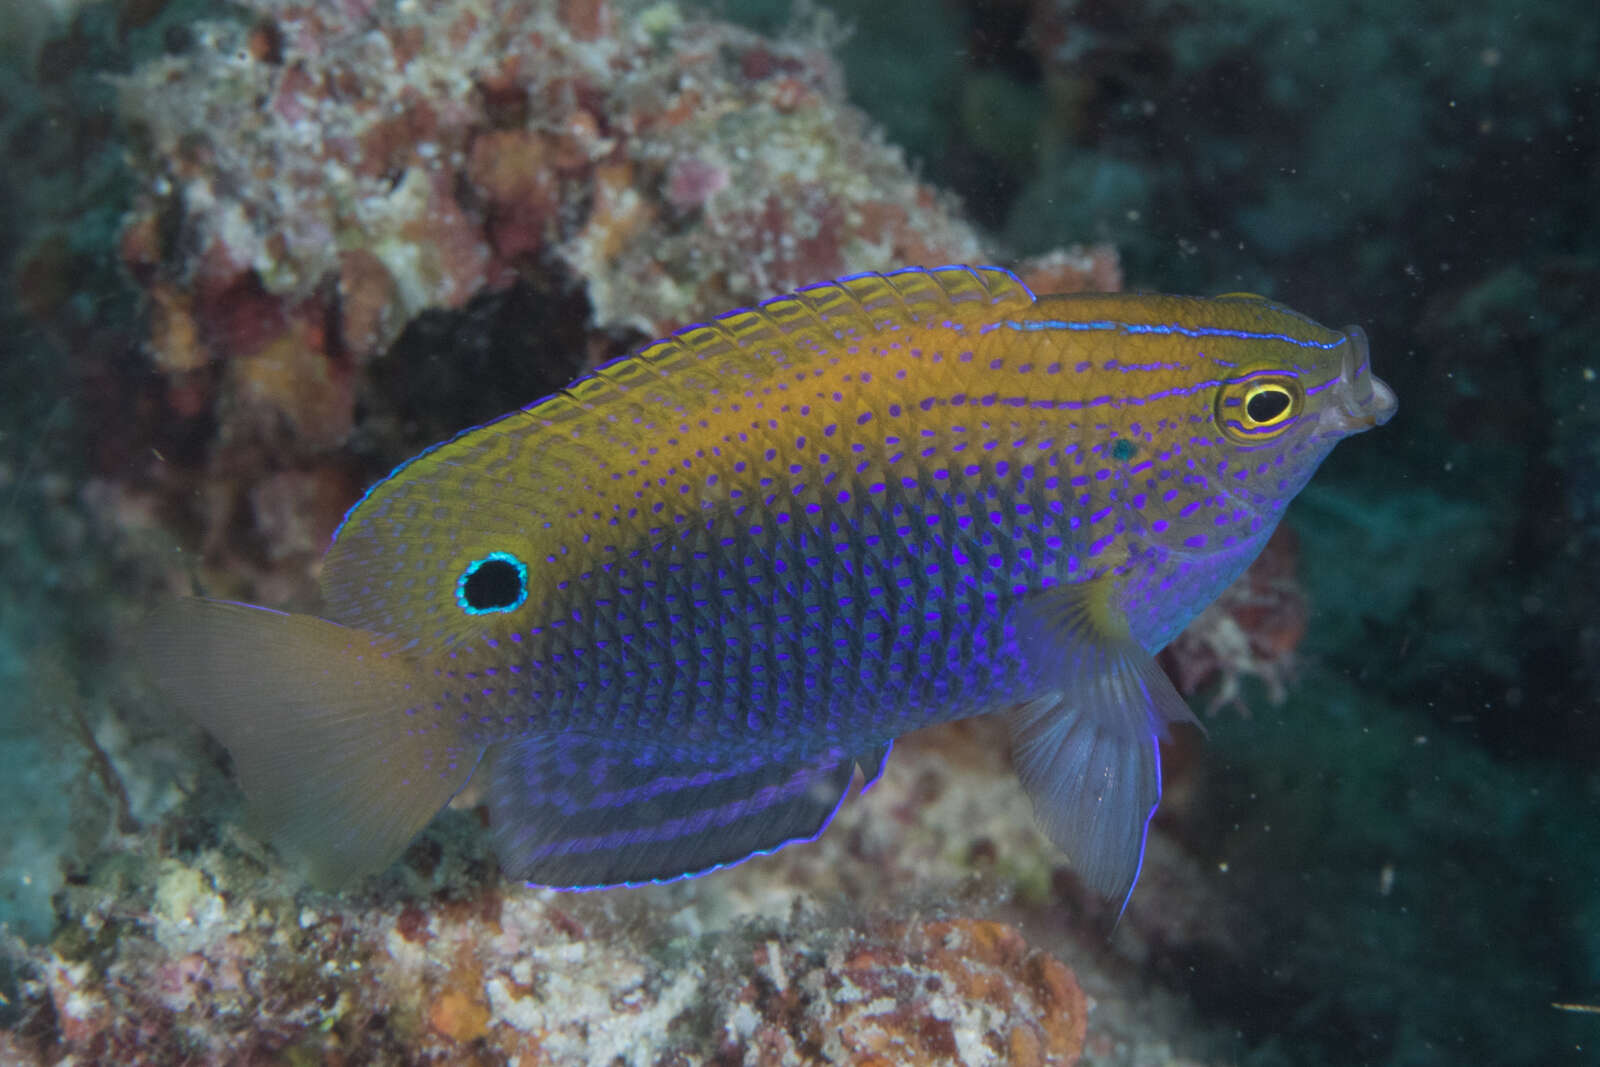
<point x="1362" y="400"/>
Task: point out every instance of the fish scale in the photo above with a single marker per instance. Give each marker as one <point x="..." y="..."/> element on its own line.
<point x="674" y="606"/>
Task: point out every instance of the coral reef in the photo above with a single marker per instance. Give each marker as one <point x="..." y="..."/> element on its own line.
<point x="841" y="951"/>
<point x="960" y="991"/>
<point x="355" y="228"/>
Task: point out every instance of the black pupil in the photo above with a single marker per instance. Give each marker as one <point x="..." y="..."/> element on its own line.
<point x="494" y="584"/>
<point x="1267" y="405"/>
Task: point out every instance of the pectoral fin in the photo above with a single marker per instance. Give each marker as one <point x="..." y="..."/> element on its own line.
<point x="1086" y="749"/>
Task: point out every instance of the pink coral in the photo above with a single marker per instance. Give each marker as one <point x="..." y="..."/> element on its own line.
<point x="1250" y="631"/>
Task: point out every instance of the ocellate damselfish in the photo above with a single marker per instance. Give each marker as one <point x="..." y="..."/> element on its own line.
<point x="668" y="611"/>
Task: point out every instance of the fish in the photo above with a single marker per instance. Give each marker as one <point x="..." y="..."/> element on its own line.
<point x="665" y="614"/>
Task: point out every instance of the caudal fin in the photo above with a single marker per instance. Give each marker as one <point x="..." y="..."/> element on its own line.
<point x="315" y="715"/>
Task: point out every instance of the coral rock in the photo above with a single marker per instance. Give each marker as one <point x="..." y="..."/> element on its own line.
<point x="459" y="1016"/>
<point x="1250" y="631"/>
<point x="919" y="993"/>
<point x="368" y="304"/>
<point x="291" y="378"/>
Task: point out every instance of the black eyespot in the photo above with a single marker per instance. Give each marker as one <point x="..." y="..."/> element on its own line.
<point x="497" y="582"/>
<point x="1266" y="405"/>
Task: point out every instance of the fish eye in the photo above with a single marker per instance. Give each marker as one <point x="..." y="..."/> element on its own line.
<point x="497" y="582"/>
<point x="1267" y="405"/>
<point x="1259" y="408"/>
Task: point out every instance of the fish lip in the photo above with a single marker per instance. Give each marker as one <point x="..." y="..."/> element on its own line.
<point x="1362" y="400"/>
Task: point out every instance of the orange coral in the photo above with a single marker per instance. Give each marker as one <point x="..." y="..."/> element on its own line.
<point x="458" y="1016"/>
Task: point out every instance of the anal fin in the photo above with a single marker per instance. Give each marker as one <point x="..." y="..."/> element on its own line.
<point x="575" y="812"/>
<point x="872" y="765"/>
<point x="1087" y="749"/>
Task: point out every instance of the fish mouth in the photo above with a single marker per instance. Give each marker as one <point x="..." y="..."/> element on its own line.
<point x="1362" y="400"/>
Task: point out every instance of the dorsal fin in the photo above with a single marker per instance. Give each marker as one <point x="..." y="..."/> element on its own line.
<point x="749" y="344"/>
<point x="500" y="488"/>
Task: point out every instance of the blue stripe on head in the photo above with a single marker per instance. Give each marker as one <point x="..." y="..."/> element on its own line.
<point x="1167" y="328"/>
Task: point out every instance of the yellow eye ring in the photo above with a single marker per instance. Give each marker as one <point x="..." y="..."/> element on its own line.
<point x="1259" y="408"/>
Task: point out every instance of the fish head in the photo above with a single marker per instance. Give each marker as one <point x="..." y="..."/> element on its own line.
<point x="1279" y="408"/>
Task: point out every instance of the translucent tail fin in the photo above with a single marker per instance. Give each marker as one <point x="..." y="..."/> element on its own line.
<point x="341" y="760"/>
